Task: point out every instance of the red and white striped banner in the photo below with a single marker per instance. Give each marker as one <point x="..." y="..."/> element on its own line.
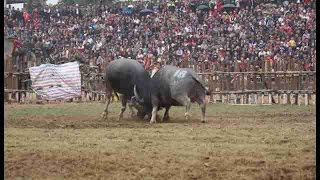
<point x="56" y="82"/>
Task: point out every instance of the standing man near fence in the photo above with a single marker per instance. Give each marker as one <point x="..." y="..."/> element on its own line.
<point x="16" y="53"/>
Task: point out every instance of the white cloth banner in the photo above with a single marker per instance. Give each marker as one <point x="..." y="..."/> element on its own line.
<point x="56" y="82"/>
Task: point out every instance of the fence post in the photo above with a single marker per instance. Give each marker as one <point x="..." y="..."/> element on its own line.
<point x="241" y="100"/>
<point x="248" y="81"/>
<point x="296" y="81"/>
<point x="263" y="65"/>
<point x="255" y="98"/>
<point x="242" y="79"/>
<point x="279" y="98"/>
<point x="296" y="96"/>
<point x="306" y="99"/>
<point x="10" y="97"/>
<point x="227" y="82"/>
<point x="313" y="82"/>
<point x="247" y="97"/>
<point x="221" y="83"/>
<point x="269" y="81"/>
<point x="285" y="98"/>
<point x="236" y="66"/>
<point x="289" y="98"/>
<point x="211" y="84"/>
<point x="285" y="81"/>
<point x="255" y="80"/>
<point x="291" y="80"/>
<point x="276" y="79"/>
<point x="299" y="97"/>
<point x="222" y="98"/>
<point x="299" y="81"/>
<point x="269" y="97"/>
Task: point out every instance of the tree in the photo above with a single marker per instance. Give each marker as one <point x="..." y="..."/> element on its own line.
<point x="85" y="2"/>
<point x="32" y="4"/>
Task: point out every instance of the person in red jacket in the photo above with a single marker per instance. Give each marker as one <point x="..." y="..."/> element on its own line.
<point x="15" y="52"/>
<point x="147" y="63"/>
<point x="16" y="44"/>
<point x="26" y="16"/>
<point x="219" y="6"/>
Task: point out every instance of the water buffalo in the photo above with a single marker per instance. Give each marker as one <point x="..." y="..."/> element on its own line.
<point x="122" y="75"/>
<point x="172" y="86"/>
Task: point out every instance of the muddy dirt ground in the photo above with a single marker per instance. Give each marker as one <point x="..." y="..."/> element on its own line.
<point x="70" y="141"/>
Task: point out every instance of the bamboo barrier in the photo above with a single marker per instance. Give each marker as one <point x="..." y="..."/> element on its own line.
<point x="225" y="87"/>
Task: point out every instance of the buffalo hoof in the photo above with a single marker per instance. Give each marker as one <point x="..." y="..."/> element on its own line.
<point x="152" y="121"/>
<point x="166" y="118"/>
<point x="158" y="118"/>
<point x="133" y="115"/>
<point x="104" y="116"/>
<point x="187" y="116"/>
<point x="203" y="121"/>
<point x="120" y="117"/>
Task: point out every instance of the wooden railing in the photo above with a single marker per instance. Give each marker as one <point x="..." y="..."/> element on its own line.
<point x="222" y="85"/>
<point x="225" y="86"/>
<point x="258" y="81"/>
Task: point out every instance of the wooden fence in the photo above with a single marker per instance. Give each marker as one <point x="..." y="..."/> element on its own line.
<point x="226" y="87"/>
<point x="280" y="87"/>
<point x="296" y="87"/>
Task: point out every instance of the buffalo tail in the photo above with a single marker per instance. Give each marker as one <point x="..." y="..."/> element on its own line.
<point x="208" y="93"/>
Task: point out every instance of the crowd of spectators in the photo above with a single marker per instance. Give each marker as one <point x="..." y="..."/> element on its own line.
<point x="253" y="36"/>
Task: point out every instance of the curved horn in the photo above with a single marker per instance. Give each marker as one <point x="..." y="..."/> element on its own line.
<point x="136" y="94"/>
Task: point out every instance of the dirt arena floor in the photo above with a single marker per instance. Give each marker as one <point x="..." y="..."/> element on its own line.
<point x="69" y="141"/>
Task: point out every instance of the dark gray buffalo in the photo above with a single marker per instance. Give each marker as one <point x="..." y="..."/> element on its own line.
<point x="172" y="86"/>
<point x="122" y="75"/>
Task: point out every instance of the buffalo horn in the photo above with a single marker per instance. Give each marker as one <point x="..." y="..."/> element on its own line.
<point x="136" y="94"/>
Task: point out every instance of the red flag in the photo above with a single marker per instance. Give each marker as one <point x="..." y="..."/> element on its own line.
<point x="36" y="23"/>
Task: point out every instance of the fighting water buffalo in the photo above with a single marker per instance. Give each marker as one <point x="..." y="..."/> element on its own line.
<point x="122" y="75"/>
<point x="172" y="86"/>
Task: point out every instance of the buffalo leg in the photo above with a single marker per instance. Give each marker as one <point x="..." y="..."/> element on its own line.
<point x="166" y="114"/>
<point x="105" y="112"/>
<point x="188" y="106"/>
<point x="185" y="100"/>
<point x="130" y="105"/>
<point x="155" y="107"/>
<point x="154" y="114"/>
<point x="202" y="103"/>
<point x="203" y="110"/>
<point x="124" y="106"/>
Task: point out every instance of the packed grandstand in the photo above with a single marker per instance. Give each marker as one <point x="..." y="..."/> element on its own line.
<point x="245" y="35"/>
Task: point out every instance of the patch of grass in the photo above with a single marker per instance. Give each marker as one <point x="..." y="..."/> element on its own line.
<point x="69" y="141"/>
<point x="15" y="111"/>
<point x="97" y="108"/>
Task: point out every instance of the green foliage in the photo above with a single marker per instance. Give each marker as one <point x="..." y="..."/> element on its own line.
<point x="32" y="4"/>
<point x="229" y="1"/>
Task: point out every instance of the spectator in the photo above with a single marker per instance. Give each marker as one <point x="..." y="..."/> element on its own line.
<point x="265" y="36"/>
